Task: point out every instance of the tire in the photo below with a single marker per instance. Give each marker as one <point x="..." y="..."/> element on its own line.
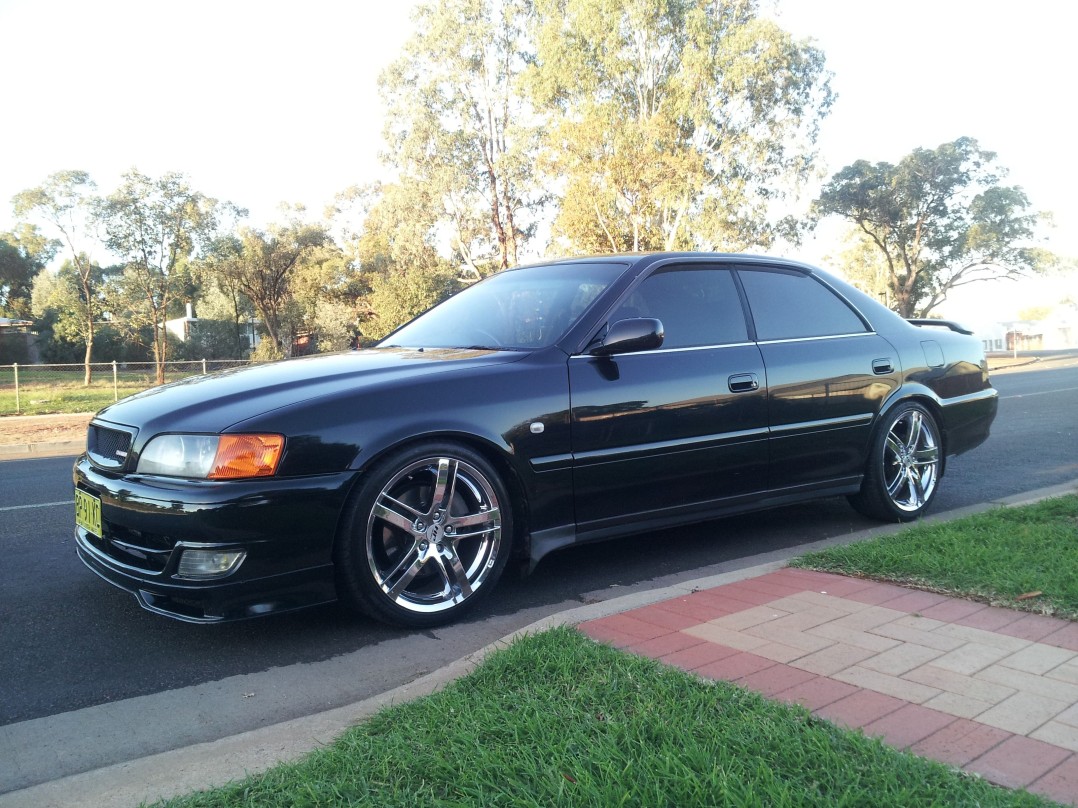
<point x="905" y="464"/>
<point x="426" y="538"/>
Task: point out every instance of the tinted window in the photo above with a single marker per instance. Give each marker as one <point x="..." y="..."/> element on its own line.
<point x="519" y="308"/>
<point x="696" y="306"/>
<point x="789" y="305"/>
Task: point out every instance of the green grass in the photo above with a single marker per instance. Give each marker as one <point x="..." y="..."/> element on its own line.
<point x="556" y="719"/>
<point x="996" y="556"/>
<point x="65" y="397"/>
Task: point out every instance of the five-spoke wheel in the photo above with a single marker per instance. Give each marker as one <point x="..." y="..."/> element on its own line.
<point x="904" y="465"/>
<point x="429" y="533"/>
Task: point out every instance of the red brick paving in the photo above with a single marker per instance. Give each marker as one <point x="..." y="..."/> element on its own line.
<point x="1000" y="756"/>
<point x="1033" y="627"/>
<point x="1061" y="783"/>
<point x="860" y="708"/>
<point x="816" y="692"/>
<point x="909" y="724"/>
<point x="990" y="618"/>
<point x="661" y="646"/>
<point x="774" y="680"/>
<point x="960" y="742"/>
<point x="734" y="667"/>
<point x="877" y="594"/>
<point x="952" y="610"/>
<point x="697" y="656"/>
<point x="1018" y="761"/>
<point x="1066" y="637"/>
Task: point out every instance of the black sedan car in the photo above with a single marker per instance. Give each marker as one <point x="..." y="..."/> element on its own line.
<point x="544" y="406"/>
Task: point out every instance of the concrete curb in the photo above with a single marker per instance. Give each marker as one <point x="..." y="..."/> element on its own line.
<point x="26" y="451"/>
<point x="216" y="763"/>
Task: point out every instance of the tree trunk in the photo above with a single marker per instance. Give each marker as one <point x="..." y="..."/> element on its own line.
<point x="89" y="351"/>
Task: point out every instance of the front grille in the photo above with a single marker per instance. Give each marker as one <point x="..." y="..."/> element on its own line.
<point x="107" y="447"/>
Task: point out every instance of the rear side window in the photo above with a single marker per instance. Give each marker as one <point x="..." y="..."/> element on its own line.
<point x="790" y="305"/>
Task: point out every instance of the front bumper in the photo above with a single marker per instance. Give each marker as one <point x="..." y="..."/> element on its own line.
<point x="286" y="526"/>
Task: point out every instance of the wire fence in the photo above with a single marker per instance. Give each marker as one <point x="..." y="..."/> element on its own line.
<point x="45" y="389"/>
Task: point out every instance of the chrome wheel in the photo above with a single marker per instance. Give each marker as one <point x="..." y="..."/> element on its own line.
<point x="433" y="534"/>
<point x="911" y="460"/>
<point x="905" y="462"/>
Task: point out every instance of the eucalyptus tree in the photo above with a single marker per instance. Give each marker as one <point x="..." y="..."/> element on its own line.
<point x="938" y="219"/>
<point x="673" y="123"/>
<point x="401" y="269"/>
<point x="64" y="202"/>
<point x="458" y="126"/>
<point x="263" y="265"/>
<point x="60" y="298"/>
<point x="156" y="226"/>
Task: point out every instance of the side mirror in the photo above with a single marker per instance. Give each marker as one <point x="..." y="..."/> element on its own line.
<point x="627" y="336"/>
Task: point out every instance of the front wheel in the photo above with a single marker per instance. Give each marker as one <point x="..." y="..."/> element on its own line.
<point x="428" y="535"/>
<point x="904" y="466"/>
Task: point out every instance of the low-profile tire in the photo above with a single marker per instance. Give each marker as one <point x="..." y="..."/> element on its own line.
<point x="426" y="537"/>
<point x="905" y="463"/>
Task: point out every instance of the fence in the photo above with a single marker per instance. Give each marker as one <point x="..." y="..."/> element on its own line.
<point x="40" y="389"/>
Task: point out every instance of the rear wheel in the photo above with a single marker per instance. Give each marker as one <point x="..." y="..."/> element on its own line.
<point x="427" y="537"/>
<point x="904" y="466"/>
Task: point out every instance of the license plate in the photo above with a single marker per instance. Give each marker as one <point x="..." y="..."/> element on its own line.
<point x="88" y="512"/>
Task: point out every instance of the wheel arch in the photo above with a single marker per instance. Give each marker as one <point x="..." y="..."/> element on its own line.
<point x="927" y="399"/>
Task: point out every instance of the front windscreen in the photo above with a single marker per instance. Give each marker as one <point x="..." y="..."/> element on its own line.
<point x="519" y="309"/>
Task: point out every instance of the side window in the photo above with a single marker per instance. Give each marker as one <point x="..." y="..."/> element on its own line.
<point x="697" y="306"/>
<point x="790" y="305"/>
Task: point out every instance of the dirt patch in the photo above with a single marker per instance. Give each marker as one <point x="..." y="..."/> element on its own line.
<point x="42" y="428"/>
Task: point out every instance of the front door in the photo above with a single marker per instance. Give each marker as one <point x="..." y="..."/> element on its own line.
<point x="677" y="430"/>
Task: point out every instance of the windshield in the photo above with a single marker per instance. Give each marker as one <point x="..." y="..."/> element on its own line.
<point x="519" y="309"/>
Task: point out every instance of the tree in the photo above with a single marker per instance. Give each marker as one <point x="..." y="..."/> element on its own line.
<point x="939" y="219"/>
<point x="403" y="273"/>
<point x="60" y="298"/>
<point x="674" y="123"/>
<point x="397" y="297"/>
<point x="263" y="266"/>
<point x="156" y="226"/>
<point x="64" y="201"/>
<point x="863" y="265"/>
<point x="24" y="252"/>
<point x="458" y="126"/>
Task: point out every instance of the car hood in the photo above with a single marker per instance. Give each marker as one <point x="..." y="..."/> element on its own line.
<point x="213" y="403"/>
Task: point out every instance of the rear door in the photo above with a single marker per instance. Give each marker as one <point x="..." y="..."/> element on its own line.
<point x="679" y="429"/>
<point x="828" y="375"/>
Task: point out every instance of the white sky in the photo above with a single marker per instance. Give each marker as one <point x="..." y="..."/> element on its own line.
<point x="268" y="102"/>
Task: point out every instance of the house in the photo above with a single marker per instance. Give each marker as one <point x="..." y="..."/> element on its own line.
<point x="183" y="328"/>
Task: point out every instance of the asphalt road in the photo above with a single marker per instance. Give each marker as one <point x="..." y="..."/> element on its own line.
<point x="99" y="680"/>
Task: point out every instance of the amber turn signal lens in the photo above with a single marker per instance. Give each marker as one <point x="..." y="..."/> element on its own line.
<point x="240" y="456"/>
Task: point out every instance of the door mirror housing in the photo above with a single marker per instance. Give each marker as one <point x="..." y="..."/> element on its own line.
<point x="628" y="336"/>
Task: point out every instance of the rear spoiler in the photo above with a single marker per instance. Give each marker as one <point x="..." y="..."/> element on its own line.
<point x="943" y="324"/>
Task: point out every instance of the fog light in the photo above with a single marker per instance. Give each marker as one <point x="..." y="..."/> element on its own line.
<point x="201" y="564"/>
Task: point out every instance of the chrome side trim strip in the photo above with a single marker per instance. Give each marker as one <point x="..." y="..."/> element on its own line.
<point x="644" y="450"/>
<point x="826" y="423"/>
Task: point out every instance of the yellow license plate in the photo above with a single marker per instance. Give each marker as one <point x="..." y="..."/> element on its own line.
<point x="88" y="512"/>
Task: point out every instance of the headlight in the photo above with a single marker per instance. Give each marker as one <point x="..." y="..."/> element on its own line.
<point x="212" y="457"/>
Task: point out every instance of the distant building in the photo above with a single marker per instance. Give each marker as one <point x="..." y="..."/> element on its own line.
<point x="17" y="342"/>
<point x="183" y="328"/>
<point x="1058" y="331"/>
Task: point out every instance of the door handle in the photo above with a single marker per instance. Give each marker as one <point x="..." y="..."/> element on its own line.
<point x="881" y="367"/>
<point x="743" y="383"/>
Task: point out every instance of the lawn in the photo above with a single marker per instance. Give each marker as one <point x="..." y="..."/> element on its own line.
<point x="556" y="719"/>
<point x="50" y="398"/>
<point x="1024" y="558"/>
